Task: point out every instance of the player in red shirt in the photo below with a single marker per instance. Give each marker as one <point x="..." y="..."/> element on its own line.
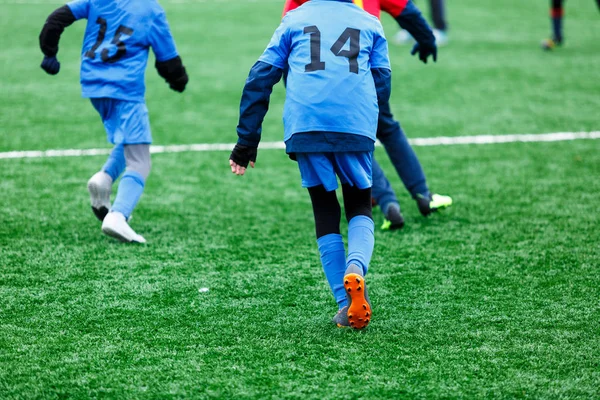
<point x="373" y="7"/>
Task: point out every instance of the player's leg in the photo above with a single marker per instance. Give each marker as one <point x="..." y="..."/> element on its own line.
<point x="440" y="25"/>
<point x="319" y="178"/>
<point x="556" y="20"/>
<point x="386" y="198"/>
<point x="131" y="187"/>
<point x="406" y="163"/>
<point x="361" y="241"/>
<point x="134" y="132"/>
<point x="354" y="171"/>
<point x="327" y="214"/>
<point x="100" y="184"/>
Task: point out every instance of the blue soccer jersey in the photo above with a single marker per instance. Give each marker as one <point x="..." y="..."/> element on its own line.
<point x="116" y="42"/>
<point x="328" y="49"/>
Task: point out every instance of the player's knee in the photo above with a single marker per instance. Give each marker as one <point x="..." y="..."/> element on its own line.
<point x="362" y="209"/>
<point x="357" y="202"/>
<point x="137" y="158"/>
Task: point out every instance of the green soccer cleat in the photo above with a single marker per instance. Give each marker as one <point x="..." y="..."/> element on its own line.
<point x="432" y="204"/>
<point x="359" y="307"/>
<point x="393" y="219"/>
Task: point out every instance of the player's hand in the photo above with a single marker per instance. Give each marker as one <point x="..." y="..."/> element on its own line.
<point x="425" y="50"/>
<point x="51" y="65"/>
<point x="179" y="84"/>
<point x="240" y="157"/>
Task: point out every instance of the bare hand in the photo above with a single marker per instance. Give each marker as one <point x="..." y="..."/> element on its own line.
<point x="238" y="169"/>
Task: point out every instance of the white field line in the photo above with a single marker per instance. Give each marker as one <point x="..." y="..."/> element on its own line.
<point x="434" y="141"/>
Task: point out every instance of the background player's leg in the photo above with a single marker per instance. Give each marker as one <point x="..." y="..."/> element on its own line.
<point x="438" y="17"/>
<point x="407" y="164"/>
<point x="401" y="154"/>
<point x="386" y="198"/>
<point x="327" y="213"/>
<point x="438" y="14"/>
<point x="557" y="13"/>
<point x="556" y="20"/>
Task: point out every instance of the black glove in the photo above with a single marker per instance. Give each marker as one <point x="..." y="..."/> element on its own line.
<point x="178" y="85"/>
<point x="425" y="50"/>
<point x="242" y="155"/>
<point x="50" y="65"/>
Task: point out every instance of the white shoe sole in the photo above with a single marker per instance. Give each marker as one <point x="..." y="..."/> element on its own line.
<point x="109" y="231"/>
<point x="120" y="230"/>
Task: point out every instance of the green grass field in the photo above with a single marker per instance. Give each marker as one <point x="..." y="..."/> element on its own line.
<point x="497" y="297"/>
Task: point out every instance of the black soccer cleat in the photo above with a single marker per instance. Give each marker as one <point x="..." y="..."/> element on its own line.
<point x="100" y="213"/>
<point x="393" y="219"/>
<point x="433" y="203"/>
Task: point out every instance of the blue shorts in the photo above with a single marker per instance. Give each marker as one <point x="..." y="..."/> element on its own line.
<point x="354" y="168"/>
<point x="125" y="122"/>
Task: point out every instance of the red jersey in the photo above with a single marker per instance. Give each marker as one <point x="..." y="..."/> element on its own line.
<point x="373" y="7"/>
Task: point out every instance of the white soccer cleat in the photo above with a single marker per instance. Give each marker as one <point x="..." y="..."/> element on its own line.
<point x="116" y="226"/>
<point x="100" y="188"/>
<point x="441" y="37"/>
<point x="402" y="37"/>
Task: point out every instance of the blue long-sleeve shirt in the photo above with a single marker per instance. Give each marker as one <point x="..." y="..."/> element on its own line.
<point x="338" y="70"/>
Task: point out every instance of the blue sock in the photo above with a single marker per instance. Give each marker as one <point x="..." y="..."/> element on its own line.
<point x="333" y="259"/>
<point x="361" y="241"/>
<point x="131" y="188"/>
<point x="115" y="165"/>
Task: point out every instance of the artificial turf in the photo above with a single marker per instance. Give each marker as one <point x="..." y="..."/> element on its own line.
<point x="495" y="298"/>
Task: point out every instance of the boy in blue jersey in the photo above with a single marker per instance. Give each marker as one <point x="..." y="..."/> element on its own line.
<point x="389" y="131"/>
<point x="114" y="57"/>
<point x="338" y="71"/>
